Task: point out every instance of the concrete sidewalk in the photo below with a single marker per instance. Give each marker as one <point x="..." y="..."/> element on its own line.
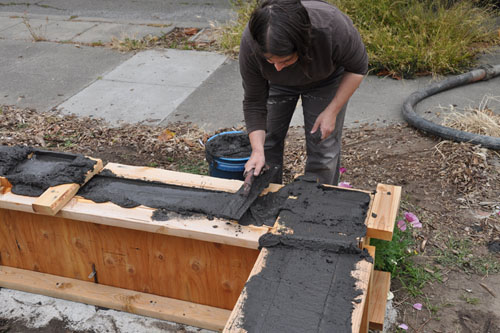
<point x="163" y="86"/>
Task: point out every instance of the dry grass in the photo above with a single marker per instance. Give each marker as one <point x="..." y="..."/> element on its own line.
<point x="37" y="33"/>
<point x="480" y="120"/>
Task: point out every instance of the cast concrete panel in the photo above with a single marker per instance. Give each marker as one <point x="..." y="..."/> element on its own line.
<point x="170" y="67"/>
<point x="216" y="103"/>
<point x="126" y="102"/>
<point x="42" y="75"/>
<point x="147" y="87"/>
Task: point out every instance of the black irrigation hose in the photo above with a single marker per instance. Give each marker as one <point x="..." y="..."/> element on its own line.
<point x="483" y="73"/>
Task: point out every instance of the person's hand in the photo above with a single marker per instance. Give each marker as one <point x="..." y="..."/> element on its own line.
<point x="257" y="161"/>
<point x="325" y="123"/>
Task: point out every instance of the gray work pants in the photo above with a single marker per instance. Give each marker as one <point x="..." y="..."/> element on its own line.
<point x="323" y="159"/>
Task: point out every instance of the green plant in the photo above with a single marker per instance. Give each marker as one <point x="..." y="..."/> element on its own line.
<point x="419" y="36"/>
<point x="231" y="35"/>
<point x="196" y="167"/>
<point x="459" y="253"/>
<point x="470" y="300"/>
<point x="405" y="38"/>
<point x="396" y="257"/>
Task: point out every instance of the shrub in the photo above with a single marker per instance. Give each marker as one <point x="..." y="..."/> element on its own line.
<point x="406" y="38"/>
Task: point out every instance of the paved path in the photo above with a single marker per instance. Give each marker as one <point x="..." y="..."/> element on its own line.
<point x="187" y="12"/>
<point x="161" y="86"/>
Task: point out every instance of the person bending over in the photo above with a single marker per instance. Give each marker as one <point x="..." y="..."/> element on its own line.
<point x="291" y="49"/>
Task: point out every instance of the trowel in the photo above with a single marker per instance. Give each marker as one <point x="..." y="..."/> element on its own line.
<point x="248" y="192"/>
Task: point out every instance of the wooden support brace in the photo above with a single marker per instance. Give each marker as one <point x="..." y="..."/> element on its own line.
<point x="115" y="298"/>
<point x="380" y="288"/>
<point x="384" y="210"/>
<point x="56" y="197"/>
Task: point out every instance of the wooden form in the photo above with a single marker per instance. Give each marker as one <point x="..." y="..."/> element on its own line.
<point x="54" y="198"/>
<point x="366" y="313"/>
<point x="114" y="298"/>
<point x="385" y="206"/>
<point x="362" y="309"/>
<point x="219" y="252"/>
<point x="187" y="269"/>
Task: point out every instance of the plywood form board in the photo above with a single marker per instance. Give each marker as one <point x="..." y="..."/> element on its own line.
<point x="54" y="198"/>
<point x="139" y="218"/>
<point x="115" y="298"/>
<point x="196" y="271"/>
<point x="384" y="210"/>
<point x="233" y="324"/>
<point x="381" y="284"/>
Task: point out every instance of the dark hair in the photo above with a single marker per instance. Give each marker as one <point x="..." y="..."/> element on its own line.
<point x="281" y="28"/>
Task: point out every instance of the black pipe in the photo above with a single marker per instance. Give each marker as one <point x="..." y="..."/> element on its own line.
<point x="483" y="73"/>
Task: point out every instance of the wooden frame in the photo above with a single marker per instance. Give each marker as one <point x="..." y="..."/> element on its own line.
<point x="56" y="197"/>
<point x="100" y="219"/>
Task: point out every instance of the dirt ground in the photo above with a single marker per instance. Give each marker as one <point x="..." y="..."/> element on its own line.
<point x="453" y="188"/>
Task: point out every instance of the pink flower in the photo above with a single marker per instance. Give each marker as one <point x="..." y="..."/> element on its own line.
<point x="410" y="217"/>
<point x="345" y="184"/>
<point x="417" y="306"/>
<point x="342" y="170"/>
<point x="413" y="220"/>
<point x="401" y="225"/>
<point x="403" y="327"/>
<point x="416" y="224"/>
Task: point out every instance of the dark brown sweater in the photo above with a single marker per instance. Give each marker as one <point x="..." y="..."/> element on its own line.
<point x="335" y="43"/>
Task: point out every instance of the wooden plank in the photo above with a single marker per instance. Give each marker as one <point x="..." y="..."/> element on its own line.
<point x="384" y="210"/>
<point x="56" y="197"/>
<point x="174" y="177"/>
<point x="196" y="271"/>
<point x="139" y="218"/>
<point x="381" y="285"/>
<point x="365" y="319"/>
<point x="5" y="185"/>
<point x="115" y="298"/>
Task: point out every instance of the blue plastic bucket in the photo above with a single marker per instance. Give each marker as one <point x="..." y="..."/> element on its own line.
<point x="226" y="167"/>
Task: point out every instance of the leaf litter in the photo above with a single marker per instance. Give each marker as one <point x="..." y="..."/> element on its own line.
<point x="444" y="182"/>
